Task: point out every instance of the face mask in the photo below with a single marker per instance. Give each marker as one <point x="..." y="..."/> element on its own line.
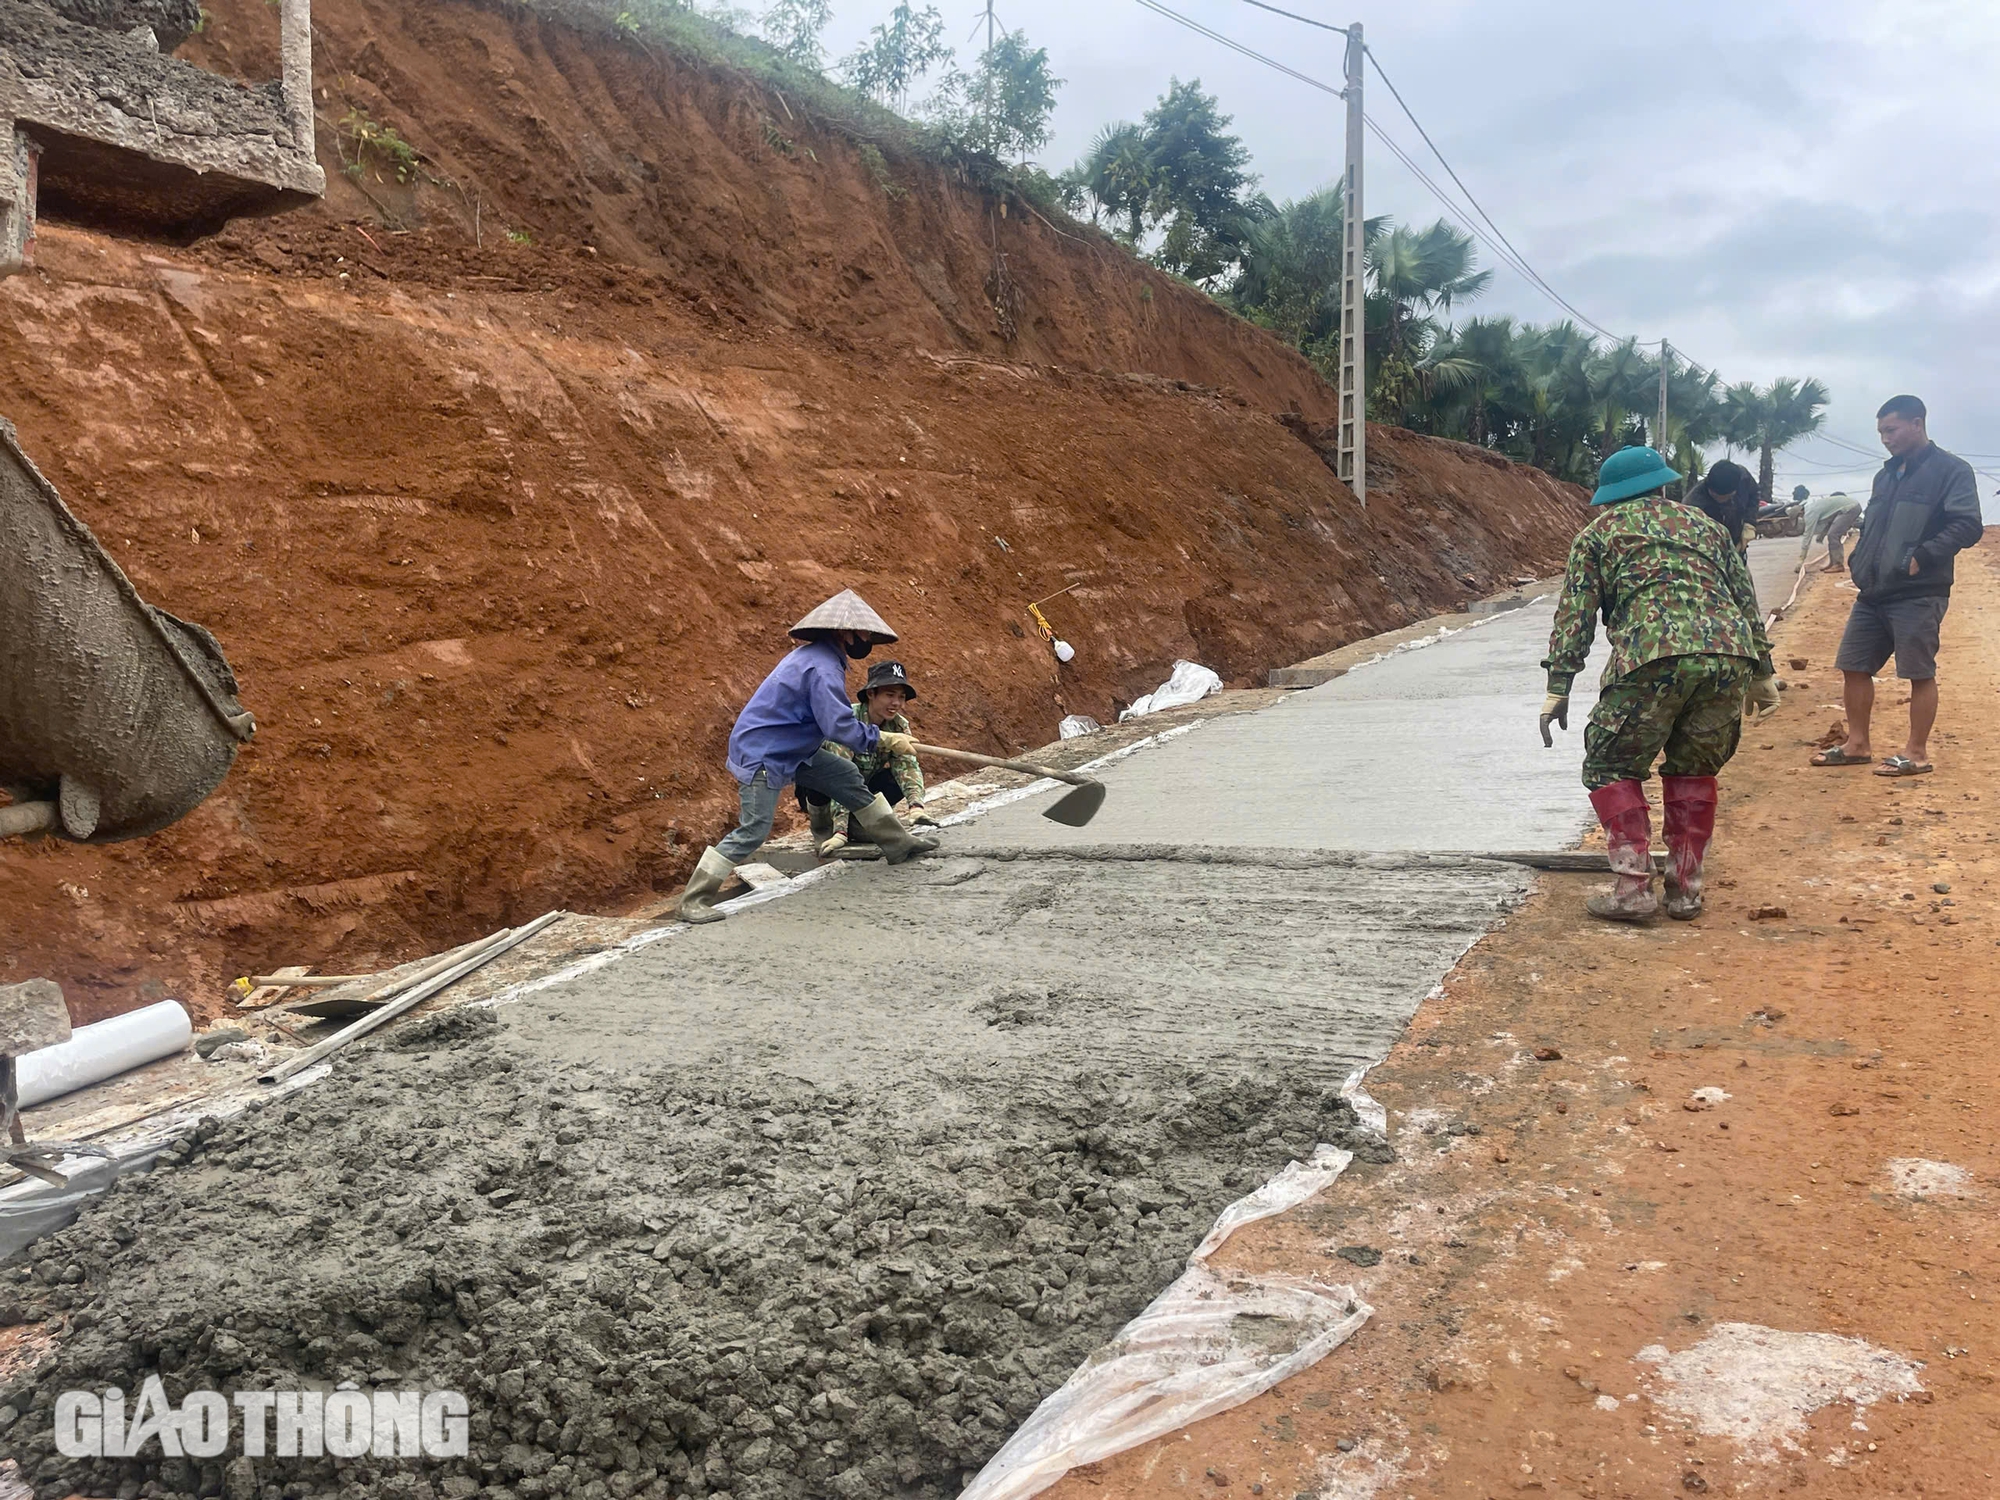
<point x="859" y="649"/>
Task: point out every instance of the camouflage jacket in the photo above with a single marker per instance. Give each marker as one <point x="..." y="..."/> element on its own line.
<point x="1669" y="582"/>
<point x="909" y="775"/>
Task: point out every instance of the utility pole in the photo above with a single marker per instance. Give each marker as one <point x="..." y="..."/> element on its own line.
<point x="1353" y="393"/>
<point x="1660" y="432"/>
<point x="989" y="28"/>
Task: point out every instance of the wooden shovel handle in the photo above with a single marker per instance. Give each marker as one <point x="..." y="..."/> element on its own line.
<point x="1006" y="765"/>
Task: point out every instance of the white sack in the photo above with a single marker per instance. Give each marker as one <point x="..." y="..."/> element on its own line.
<point x="1190" y="683"/>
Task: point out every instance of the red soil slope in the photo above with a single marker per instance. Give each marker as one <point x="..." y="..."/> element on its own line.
<point x="498" y="535"/>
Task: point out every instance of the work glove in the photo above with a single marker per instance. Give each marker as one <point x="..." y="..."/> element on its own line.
<point x="919" y="818"/>
<point x="898" y="744"/>
<point x="1555" y="709"/>
<point x="1762" y="700"/>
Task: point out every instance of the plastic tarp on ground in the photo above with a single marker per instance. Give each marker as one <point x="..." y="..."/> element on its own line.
<point x="1190" y="683"/>
<point x="1209" y="1342"/>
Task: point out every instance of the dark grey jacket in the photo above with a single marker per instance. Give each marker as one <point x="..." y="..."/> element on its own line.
<point x="1929" y="511"/>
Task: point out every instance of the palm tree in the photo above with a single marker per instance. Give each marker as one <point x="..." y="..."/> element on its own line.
<point x="1620" y="378"/>
<point x="1741" y="418"/>
<point x="1420" y="273"/>
<point x="1290" y="277"/>
<point x="1561" y="408"/>
<point x="1117" y="174"/>
<point x="1791" y="409"/>
<point x="1490" y="346"/>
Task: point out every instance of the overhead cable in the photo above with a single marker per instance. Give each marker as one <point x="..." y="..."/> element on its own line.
<point x="1294" y="16"/>
<point x="1491" y="235"/>
<point x="1496" y="243"/>
<point x="1235" y="46"/>
<point x="1534" y="277"/>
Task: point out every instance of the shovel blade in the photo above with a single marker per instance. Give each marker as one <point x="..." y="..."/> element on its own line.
<point x="1079" y="807"/>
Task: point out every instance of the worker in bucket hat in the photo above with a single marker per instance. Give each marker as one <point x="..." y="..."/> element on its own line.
<point x="780" y="739"/>
<point x="900" y="780"/>
<point x="1687" y="645"/>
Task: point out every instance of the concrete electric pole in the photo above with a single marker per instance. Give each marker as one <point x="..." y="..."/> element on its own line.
<point x="1660" y="432"/>
<point x="1353" y="392"/>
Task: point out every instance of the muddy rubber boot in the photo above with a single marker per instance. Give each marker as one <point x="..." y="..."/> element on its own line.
<point x="698" y="900"/>
<point x="820" y="821"/>
<point x="1690" y="820"/>
<point x="880" y="823"/>
<point x="1628" y="838"/>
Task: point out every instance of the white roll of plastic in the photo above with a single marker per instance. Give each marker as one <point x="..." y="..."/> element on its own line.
<point x="102" y="1050"/>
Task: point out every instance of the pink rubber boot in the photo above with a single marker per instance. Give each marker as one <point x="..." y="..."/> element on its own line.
<point x="1628" y="837"/>
<point x="1690" y="820"/>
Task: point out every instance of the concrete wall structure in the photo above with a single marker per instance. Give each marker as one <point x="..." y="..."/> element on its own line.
<point x="130" y="138"/>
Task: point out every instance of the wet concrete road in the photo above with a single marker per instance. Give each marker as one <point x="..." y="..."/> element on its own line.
<point x="1428" y="749"/>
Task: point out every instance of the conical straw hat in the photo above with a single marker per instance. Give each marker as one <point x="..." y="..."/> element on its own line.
<point x="846" y="610"/>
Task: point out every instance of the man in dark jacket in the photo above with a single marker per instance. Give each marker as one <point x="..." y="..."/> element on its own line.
<point x="1727" y="495"/>
<point x="1923" y="512"/>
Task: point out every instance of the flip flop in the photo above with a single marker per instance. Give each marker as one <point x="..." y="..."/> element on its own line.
<point x="1839" y="757"/>
<point x="1902" y="765"/>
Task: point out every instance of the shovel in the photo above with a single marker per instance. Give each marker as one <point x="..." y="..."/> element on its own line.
<point x="1076" y="809"/>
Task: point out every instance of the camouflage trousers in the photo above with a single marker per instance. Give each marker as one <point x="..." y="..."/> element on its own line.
<point x="1691" y="707"/>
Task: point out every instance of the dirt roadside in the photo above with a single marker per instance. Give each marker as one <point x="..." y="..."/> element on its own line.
<point x="1549" y="1220"/>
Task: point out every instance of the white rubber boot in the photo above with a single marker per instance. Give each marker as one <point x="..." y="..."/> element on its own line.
<point x="820" y="821"/>
<point x="698" y="900"/>
<point x="885" y="830"/>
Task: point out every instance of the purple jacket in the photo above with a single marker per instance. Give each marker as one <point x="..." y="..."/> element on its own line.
<point x="802" y="702"/>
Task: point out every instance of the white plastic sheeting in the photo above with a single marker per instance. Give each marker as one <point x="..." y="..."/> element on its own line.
<point x="1076" y="726"/>
<point x="1190" y="683"/>
<point x="102" y="1050"/>
<point x="1207" y="1343"/>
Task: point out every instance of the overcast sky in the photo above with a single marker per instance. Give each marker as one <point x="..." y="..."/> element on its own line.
<point x="1779" y="187"/>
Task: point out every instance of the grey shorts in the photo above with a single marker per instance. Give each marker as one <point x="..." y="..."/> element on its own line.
<point x="1905" y="628"/>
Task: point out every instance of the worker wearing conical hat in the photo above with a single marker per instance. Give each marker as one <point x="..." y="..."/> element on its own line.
<point x="779" y="740"/>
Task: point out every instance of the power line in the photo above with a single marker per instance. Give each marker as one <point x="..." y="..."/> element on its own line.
<point x="1496" y="242"/>
<point x="1293" y="16"/>
<point x="1534" y="277"/>
<point x="1235" y="46"/>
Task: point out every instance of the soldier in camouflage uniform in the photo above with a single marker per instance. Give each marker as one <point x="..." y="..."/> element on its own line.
<point x="1687" y="645"/>
<point x="897" y="777"/>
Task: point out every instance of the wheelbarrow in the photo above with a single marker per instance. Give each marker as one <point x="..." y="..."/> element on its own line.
<point x="116" y="719"/>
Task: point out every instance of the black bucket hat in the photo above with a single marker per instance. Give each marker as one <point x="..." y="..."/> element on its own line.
<point x="888" y="674"/>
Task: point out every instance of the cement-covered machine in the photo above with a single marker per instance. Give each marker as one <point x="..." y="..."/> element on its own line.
<point x="116" y="719"/>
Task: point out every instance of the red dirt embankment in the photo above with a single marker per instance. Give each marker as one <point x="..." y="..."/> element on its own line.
<point x="499" y="535"/>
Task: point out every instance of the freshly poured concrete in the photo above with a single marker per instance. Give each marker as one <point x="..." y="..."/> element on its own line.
<point x="959" y="969"/>
<point x="1434" y="748"/>
<point x="1431" y="748"/>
